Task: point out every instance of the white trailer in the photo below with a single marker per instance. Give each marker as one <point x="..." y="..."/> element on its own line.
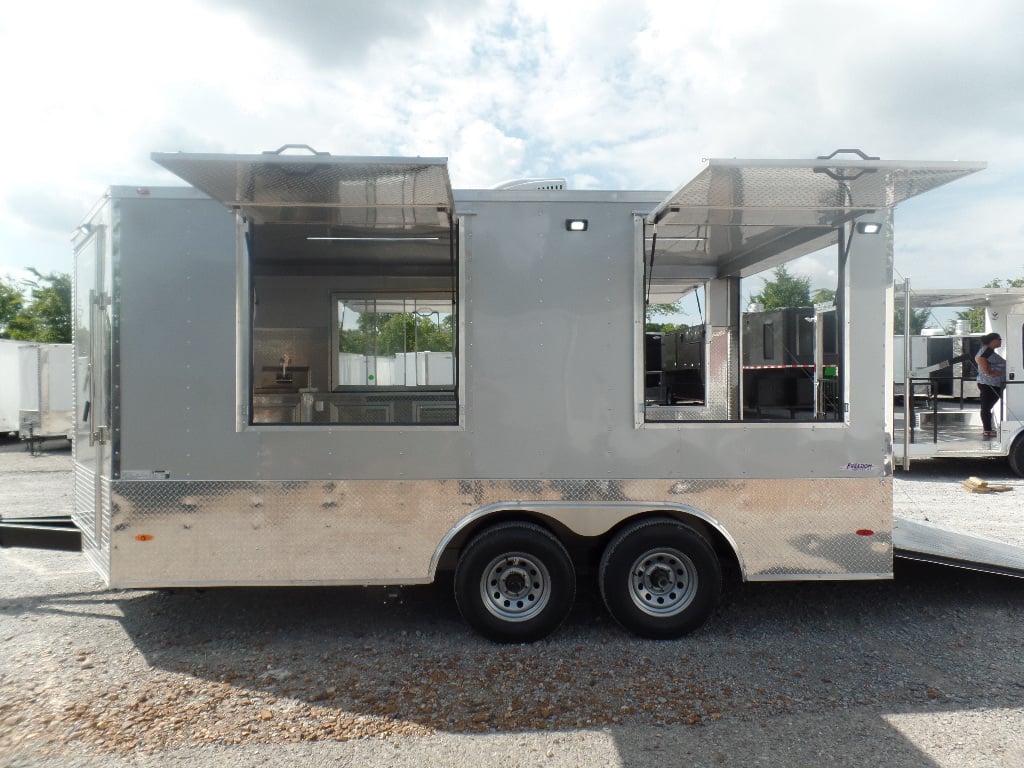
<point x="224" y="437"/>
<point x="36" y="394"/>
<point x="10" y="394"/>
<point x="930" y="426"/>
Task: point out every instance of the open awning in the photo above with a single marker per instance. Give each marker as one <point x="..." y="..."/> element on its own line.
<point x="351" y="193"/>
<point x="962" y="297"/>
<point x="739" y="217"/>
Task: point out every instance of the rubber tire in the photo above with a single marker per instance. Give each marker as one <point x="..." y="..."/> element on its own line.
<point x="628" y="546"/>
<point x="514" y="538"/>
<point x="1016" y="456"/>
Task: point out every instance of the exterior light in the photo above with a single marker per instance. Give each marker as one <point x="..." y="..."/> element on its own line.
<point x="869" y="227"/>
<point x="576" y="225"/>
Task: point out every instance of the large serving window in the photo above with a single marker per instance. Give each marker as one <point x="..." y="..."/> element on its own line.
<point x="348" y="286"/>
<point x="720" y="239"/>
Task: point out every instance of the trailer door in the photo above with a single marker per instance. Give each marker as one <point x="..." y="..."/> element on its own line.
<point x="92" y="345"/>
<point x="1013" y="347"/>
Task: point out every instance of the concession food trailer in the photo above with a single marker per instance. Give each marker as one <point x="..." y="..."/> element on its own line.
<point x="308" y="369"/>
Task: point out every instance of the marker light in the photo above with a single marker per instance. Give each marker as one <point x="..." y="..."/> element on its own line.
<point x="869" y="227"/>
<point x="576" y="225"/>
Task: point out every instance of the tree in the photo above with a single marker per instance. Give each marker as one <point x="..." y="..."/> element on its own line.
<point x="784" y="290"/>
<point x="823" y="296"/>
<point x="662" y="310"/>
<point x="975" y="316"/>
<point x="46" y="317"/>
<point x="11" y="303"/>
<point x="391" y="333"/>
<point x="918" y="319"/>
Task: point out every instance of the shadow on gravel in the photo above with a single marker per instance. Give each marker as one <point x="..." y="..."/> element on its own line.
<point x="335" y="664"/>
<point x="955" y="469"/>
<point x="922" y="643"/>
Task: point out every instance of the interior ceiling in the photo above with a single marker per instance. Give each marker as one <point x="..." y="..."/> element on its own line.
<point x="287" y="249"/>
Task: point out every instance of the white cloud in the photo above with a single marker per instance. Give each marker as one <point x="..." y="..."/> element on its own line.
<point x="616" y="94"/>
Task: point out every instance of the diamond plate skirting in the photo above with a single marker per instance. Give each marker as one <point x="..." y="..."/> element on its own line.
<point x="171" y="533"/>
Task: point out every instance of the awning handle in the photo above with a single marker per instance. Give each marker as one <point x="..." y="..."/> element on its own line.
<point x="283" y="147"/>
<point x="848" y="152"/>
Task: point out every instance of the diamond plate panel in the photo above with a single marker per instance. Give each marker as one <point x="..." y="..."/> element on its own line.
<point x="791" y="190"/>
<point x="170" y="533"/>
<point x="721" y="389"/>
<point x="361" y="192"/>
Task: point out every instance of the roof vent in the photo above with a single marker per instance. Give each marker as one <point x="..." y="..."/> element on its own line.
<point x="536" y="185"/>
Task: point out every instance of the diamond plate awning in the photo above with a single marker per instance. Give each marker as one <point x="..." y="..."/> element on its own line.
<point x="351" y="193"/>
<point x="961" y="297"/>
<point x="739" y="217"/>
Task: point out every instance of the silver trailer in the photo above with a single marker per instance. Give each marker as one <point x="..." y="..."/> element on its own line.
<point x="928" y="425"/>
<point x="250" y="408"/>
<point x="36" y="396"/>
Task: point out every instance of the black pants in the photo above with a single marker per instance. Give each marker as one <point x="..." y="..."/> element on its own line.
<point x="989" y="397"/>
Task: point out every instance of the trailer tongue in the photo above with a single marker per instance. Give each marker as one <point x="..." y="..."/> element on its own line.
<point x="57" y="532"/>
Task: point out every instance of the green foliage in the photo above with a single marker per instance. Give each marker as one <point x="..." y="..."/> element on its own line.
<point x="823" y="296"/>
<point x="386" y="333"/>
<point x="660" y="310"/>
<point x="661" y="327"/>
<point x="45" y="317"/>
<point x="784" y="290"/>
<point x="663" y="310"/>
<point x="11" y="303"/>
<point x="918" y="319"/>
<point x="975" y="317"/>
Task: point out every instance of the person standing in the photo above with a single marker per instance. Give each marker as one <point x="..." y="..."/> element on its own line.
<point x="991" y="378"/>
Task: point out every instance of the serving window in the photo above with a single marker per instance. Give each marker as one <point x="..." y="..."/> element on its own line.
<point x="352" y="330"/>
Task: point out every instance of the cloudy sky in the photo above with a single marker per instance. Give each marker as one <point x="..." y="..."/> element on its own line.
<point x="611" y="94"/>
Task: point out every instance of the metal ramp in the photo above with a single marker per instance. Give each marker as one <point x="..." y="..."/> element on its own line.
<point x="930" y="543"/>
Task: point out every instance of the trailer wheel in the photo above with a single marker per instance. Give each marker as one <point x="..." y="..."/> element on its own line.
<point x="1016" y="456"/>
<point x="660" y="579"/>
<point x="515" y="583"/>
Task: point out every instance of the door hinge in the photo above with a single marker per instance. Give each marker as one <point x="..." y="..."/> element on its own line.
<point x="101" y="436"/>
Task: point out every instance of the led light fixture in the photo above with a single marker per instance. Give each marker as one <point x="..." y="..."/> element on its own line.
<point x="380" y="239"/>
<point x="576" y="225"/>
<point x="869" y="227"/>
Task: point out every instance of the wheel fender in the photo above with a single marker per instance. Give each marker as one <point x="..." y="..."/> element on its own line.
<point x="588" y="520"/>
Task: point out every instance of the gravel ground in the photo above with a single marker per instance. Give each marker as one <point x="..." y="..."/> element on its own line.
<point x="926" y="670"/>
<point x="932" y="492"/>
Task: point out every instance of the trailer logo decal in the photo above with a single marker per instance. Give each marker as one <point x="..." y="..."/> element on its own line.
<point x="855" y="466"/>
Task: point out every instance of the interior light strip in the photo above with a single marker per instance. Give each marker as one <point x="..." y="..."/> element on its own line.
<point x="380" y="239"/>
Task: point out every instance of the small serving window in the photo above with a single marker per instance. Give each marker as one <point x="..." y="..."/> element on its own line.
<point x="394" y="341"/>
